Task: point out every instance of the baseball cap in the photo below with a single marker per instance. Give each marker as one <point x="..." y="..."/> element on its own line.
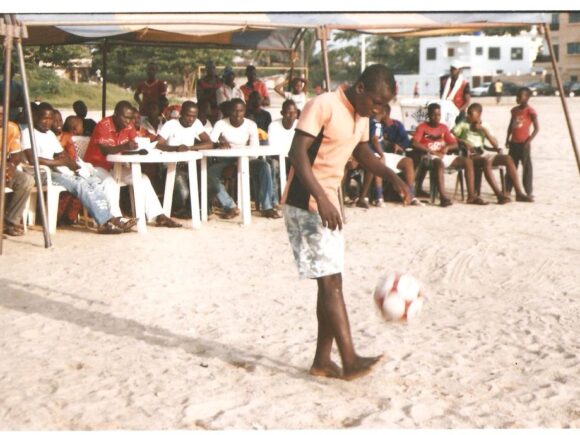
<point x="456" y="64"/>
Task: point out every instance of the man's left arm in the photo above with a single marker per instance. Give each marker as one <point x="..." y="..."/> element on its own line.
<point x="536" y="125"/>
<point x="363" y="154"/>
<point x="466" y="98"/>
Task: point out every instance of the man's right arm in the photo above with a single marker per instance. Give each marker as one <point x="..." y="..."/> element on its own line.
<point x="299" y="157"/>
<point x="116" y="149"/>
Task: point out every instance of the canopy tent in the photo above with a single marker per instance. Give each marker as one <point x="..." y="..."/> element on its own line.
<point x="257" y="31"/>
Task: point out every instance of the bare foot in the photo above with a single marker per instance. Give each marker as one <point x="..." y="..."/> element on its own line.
<point x="361" y="367"/>
<point x="330" y="370"/>
<point x="524" y="198"/>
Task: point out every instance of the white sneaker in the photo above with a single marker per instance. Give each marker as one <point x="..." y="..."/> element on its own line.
<point x="416" y="202"/>
<point x="379" y="202"/>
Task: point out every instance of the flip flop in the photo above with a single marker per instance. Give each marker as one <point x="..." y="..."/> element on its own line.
<point x="164" y="221"/>
<point x="272" y="214"/>
<point x="477" y="201"/>
<point x="109" y="228"/>
<point x="231" y="213"/>
<point x="445" y="202"/>
<point x="13" y="230"/>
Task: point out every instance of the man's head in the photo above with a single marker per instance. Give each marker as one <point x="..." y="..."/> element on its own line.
<point x="374" y="88"/>
<point x="210" y="68"/>
<point x="523" y="95"/>
<point x="188" y="113"/>
<point x="434" y="113"/>
<point x="474" y="112"/>
<point x="237" y="110"/>
<point x="297" y="85"/>
<point x="251" y="73"/>
<point x="80" y="108"/>
<point x="289" y="113"/>
<point x="57" y="123"/>
<point x="74" y="125"/>
<point x="123" y="115"/>
<point x="455" y="69"/>
<point x="229" y="77"/>
<point x="254" y="101"/>
<point x="43" y="117"/>
<point x="151" y="71"/>
<point x="152" y="110"/>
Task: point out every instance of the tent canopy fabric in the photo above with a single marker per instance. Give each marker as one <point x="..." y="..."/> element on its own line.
<point x="260" y="31"/>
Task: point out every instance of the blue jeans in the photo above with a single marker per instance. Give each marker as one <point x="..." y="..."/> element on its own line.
<point x="91" y="193"/>
<point x="259" y="170"/>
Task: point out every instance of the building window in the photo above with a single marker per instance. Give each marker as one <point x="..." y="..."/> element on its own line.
<point x="493" y="53"/>
<point x="556" y="48"/>
<point x="555" y="24"/>
<point x="574" y="48"/>
<point x="517" y="53"/>
<point x="574" y="78"/>
<point x="450" y="52"/>
<point x="478" y="51"/>
<point x="574" y="17"/>
<point x="431" y="53"/>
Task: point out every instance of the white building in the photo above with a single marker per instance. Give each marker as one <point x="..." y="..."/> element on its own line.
<point x="483" y="57"/>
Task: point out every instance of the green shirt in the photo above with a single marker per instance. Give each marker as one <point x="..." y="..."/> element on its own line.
<point x="463" y="131"/>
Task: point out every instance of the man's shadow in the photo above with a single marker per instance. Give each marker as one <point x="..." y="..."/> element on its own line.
<point x="14" y="296"/>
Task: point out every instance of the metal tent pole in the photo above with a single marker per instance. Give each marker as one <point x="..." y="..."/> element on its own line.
<point x="27" y="111"/>
<point x="105" y="49"/>
<point x="322" y="35"/>
<point x="562" y="96"/>
<point x="6" y="104"/>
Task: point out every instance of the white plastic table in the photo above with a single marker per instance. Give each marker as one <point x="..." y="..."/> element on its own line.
<point x="156" y="156"/>
<point x="243" y="155"/>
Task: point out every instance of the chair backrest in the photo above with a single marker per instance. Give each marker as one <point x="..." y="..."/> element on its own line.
<point x="81" y="143"/>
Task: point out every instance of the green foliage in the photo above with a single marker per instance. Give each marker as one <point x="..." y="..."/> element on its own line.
<point x="57" y="55"/>
<point x="401" y="54"/>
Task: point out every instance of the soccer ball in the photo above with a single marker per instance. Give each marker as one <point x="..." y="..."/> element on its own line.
<point x="399" y="297"/>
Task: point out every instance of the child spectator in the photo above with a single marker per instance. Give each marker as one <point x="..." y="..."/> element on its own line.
<point x="297" y="91"/>
<point x="473" y="134"/>
<point x="69" y="206"/>
<point x="80" y="109"/>
<point x="519" y="140"/>
<point x="228" y="90"/>
<point x="434" y="139"/>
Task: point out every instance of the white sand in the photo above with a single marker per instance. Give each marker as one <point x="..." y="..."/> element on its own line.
<point x="212" y="329"/>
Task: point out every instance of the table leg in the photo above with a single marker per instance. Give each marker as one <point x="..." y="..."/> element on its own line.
<point x="244" y="173"/>
<point x="203" y="189"/>
<point x="282" y="168"/>
<point x="169" y="185"/>
<point x="192" y="172"/>
<point x="117" y="172"/>
<point x="139" y="197"/>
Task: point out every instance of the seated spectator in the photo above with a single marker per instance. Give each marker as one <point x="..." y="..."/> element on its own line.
<point x="57" y="123"/>
<point x="203" y="114"/>
<point x="70" y="174"/>
<point x="254" y="84"/>
<point x="228" y="90"/>
<point x="80" y="109"/>
<point x="149" y="90"/>
<point x="261" y="117"/>
<point x="297" y="91"/>
<point x="434" y="139"/>
<point x="388" y="139"/>
<point x="237" y="131"/>
<point x="113" y="135"/>
<point x="473" y="134"/>
<point x="20" y="182"/>
<point x="181" y="135"/>
<point x="152" y="121"/>
<point x="69" y="206"/>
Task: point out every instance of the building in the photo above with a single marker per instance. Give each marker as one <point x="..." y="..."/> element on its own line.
<point x="565" y="31"/>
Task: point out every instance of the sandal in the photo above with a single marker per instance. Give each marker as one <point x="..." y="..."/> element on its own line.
<point x="164" y="221"/>
<point x="271" y="213"/>
<point x="503" y="199"/>
<point x="109" y="228"/>
<point x="445" y="202"/>
<point x="231" y="213"/>
<point x="524" y="198"/>
<point x="127" y="224"/>
<point x="476" y="201"/>
<point x="13" y="230"/>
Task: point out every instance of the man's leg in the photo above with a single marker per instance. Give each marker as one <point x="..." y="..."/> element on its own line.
<point x="528" y="174"/>
<point x="516" y="155"/>
<point x="444" y="199"/>
<point x="261" y="169"/>
<point x="215" y="185"/>
<point x="153" y="207"/>
<point x="333" y="323"/>
<point x="512" y="174"/>
<point x="21" y="185"/>
<point x="111" y="189"/>
<point x="275" y="166"/>
<point x="419" y="178"/>
<point x="466" y="164"/>
<point x="363" y="200"/>
<point x="486" y="165"/>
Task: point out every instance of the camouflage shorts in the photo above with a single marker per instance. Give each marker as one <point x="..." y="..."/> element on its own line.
<point x="317" y="250"/>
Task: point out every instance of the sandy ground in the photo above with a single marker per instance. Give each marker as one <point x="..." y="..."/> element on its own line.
<point x="211" y="329"/>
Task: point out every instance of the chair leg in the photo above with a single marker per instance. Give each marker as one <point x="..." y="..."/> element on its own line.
<point x="477" y="181"/>
<point x="32" y="201"/>
<point x="52" y="204"/>
<point x="432" y="183"/>
<point x="462" y="184"/>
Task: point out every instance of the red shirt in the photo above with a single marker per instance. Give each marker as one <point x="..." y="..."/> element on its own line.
<point x="151" y="92"/>
<point x="434" y="138"/>
<point x="106" y="134"/>
<point x="522" y="119"/>
<point x="258" y="85"/>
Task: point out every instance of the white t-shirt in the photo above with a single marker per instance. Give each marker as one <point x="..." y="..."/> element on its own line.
<point x="245" y="134"/>
<point x="47" y="145"/>
<point x="225" y="93"/>
<point x="176" y="134"/>
<point x="208" y="127"/>
<point x="279" y="136"/>
<point x="299" y="99"/>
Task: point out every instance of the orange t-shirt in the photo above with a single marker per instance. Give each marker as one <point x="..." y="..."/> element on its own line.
<point x="330" y="118"/>
<point x="66" y="141"/>
<point x="13" y="140"/>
